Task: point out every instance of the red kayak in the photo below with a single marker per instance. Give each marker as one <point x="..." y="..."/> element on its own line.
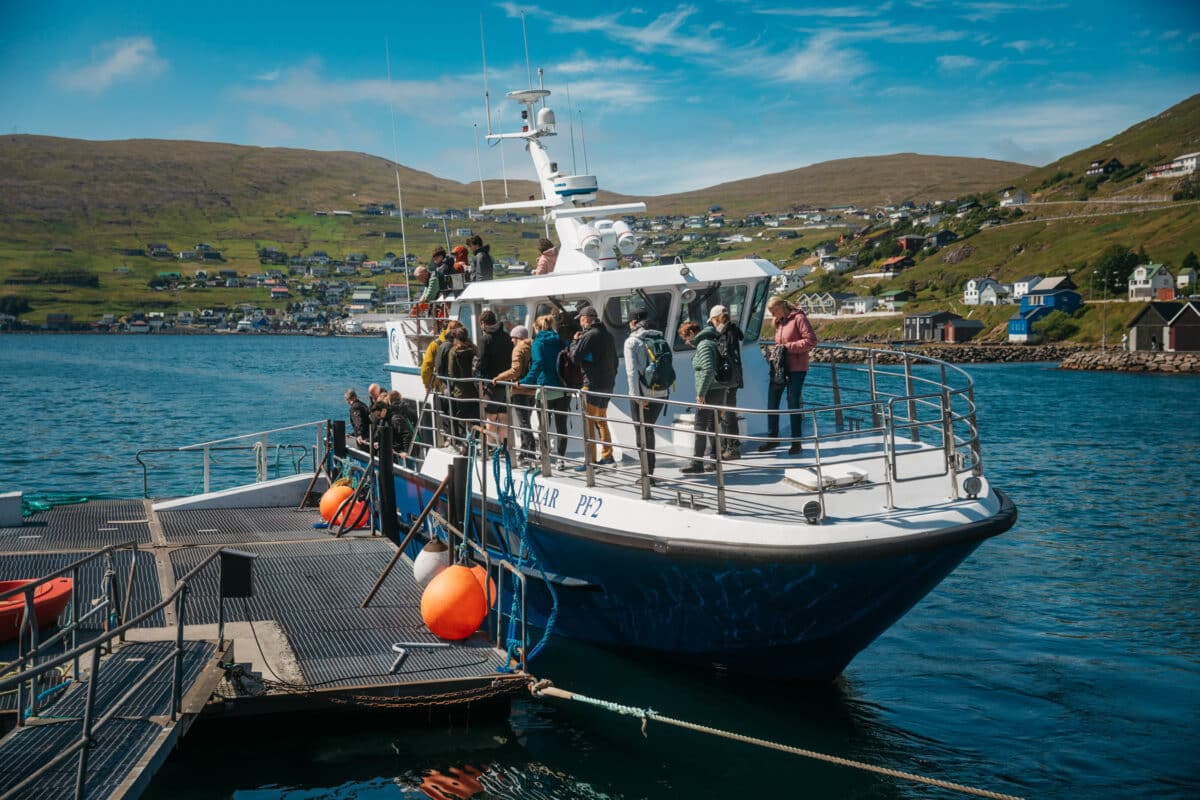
<point x="49" y="600"/>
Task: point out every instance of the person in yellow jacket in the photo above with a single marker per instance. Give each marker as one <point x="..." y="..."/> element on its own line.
<point x="428" y="379"/>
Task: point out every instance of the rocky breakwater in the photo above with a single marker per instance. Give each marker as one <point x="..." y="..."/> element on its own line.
<point x="1139" y="361"/>
<point x="958" y="353"/>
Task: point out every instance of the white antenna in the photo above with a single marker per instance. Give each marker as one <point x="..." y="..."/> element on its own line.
<point x="479" y="164"/>
<point x="487" y="98"/>
<point x="387" y="54"/>
<point x="583" y="141"/>
<point x="525" y="36"/>
<point x="503" y="171"/>
<point x="571" y="119"/>
<point x="445" y="232"/>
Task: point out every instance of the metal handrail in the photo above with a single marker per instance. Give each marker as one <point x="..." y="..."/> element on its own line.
<point x="953" y="403"/>
<point x="89" y="728"/>
<point x="256" y="434"/>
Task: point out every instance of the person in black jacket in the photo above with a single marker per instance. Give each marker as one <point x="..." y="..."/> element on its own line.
<point x="595" y="351"/>
<point x="360" y="419"/>
<point x="441" y="371"/>
<point x="481" y="259"/>
<point x="495" y="356"/>
<point x="729" y="346"/>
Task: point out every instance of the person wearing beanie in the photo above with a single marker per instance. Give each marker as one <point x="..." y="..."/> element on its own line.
<point x="461" y="258"/>
<point x="522" y="396"/>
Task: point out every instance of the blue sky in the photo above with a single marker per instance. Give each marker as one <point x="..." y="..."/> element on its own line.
<point x="671" y="96"/>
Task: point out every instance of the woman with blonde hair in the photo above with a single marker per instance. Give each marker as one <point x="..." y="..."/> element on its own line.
<point x="794" y="340"/>
<point x="543" y="373"/>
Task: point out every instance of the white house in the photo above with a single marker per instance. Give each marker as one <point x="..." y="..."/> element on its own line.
<point x="1024" y="286"/>
<point x="974" y="287"/>
<point x="1186" y="279"/>
<point x="1147" y="279"/>
<point x="995" y="294"/>
<point x="790" y="280"/>
<point x="1183" y="165"/>
<point x="861" y="305"/>
<point x="839" y="264"/>
<point x="1015" y="197"/>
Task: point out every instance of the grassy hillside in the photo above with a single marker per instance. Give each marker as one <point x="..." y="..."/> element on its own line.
<point x="866" y="181"/>
<point x="1153" y="141"/>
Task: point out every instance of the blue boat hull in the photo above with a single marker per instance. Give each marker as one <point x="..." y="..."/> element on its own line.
<point x="795" y="616"/>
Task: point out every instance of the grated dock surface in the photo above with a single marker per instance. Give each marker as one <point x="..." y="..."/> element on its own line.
<point x="240" y="525"/>
<point x="83" y="526"/>
<point x="111" y="758"/>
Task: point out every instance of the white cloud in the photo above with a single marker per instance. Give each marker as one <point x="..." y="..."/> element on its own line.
<point x="606" y="66"/>
<point x="820" y="61"/>
<point x="268" y="77"/>
<point x="988" y="11"/>
<point x="834" y="12"/>
<point x="956" y="63"/>
<point x="113" y="61"/>
<point x="1023" y="46"/>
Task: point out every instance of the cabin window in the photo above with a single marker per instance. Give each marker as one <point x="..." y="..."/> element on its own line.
<point x="617" y="311"/>
<point x="732" y="297"/>
<point x="510" y="314"/>
<point x="758" y="308"/>
<point x="466" y="315"/>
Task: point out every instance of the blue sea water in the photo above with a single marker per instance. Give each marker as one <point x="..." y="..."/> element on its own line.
<point x="1061" y="660"/>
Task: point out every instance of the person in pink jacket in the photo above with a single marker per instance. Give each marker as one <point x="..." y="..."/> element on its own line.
<point x="794" y="339"/>
<point x="547" y="258"/>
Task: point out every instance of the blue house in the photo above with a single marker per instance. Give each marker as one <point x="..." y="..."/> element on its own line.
<point x="1050" y="295"/>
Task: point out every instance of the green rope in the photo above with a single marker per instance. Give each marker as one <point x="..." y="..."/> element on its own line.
<point x="33" y="503"/>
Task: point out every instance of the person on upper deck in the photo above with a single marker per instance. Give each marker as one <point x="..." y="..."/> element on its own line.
<point x="543" y="373"/>
<point x="431" y="282"/>
<point x="647" y="354"/>
<point x="360" y="418"/>
<point x="462" y="259"/>
<point x="595" y="352"/>
<point x="794" y="340"/>
<point x="547" y="257"/>
<point x="481" y="259"/>
<point x="709" y="392"/>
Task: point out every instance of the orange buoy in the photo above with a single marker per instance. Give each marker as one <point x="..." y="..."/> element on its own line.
<point x="333" y="498"/>
<point x="357" y="512"/>
<point x="453" y="604"/>
<point x="486" y="583"/>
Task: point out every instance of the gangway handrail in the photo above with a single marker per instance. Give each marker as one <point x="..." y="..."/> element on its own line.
<point x="89" y="728"/>
<point x="239" y="437"/>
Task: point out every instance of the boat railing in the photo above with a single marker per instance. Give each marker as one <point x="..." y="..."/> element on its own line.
<point x="883" y="407"/>
<point x="32" y="666"/>
<point x="271" y="453"/>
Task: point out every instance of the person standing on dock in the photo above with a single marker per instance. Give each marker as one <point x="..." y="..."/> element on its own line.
<point x="360" y="419"/>
<point x="794" y="340"/>
<point x="594" y="350"/>
<point x="648" y="361"/>
<point x="481" y="259"/>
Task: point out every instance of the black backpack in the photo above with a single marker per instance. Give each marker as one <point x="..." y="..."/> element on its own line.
<point x="570" y="374"/>
<point x="724" y="376"/>
<point x="659" y="374"/>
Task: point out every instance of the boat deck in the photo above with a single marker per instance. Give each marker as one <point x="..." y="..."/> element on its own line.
<point x="301" y="641"/>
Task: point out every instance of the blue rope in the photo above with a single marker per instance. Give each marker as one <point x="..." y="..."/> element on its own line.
<point x="516" y="520"/>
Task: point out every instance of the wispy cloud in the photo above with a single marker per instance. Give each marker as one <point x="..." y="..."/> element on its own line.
<point x="111" y="62"/>
<point x="1025" y="45"/>
<point x="820" y="60"/>
<point x="305" y="88"/>
<point x="268" y="77"/>
<point x="956" y="63"/>
<point x="988" y="11"/>
<point x="829" y="12"/>
<point x="605" y="66"/>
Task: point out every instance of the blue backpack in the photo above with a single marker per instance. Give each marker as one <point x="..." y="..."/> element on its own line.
<point x="659" y="374"/>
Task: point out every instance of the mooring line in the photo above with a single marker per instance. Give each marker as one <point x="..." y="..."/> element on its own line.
<point x="545" y="689"/>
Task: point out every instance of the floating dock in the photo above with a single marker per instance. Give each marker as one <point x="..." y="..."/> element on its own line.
<point x="299" y="643"/>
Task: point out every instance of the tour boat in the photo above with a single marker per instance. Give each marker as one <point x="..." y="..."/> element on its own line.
<point x="49" y="600"/>
<point x="773" y="564"/>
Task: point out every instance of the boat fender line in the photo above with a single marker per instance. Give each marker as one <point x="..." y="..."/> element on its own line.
<point x="516" y="520"/>
<point x="543" y="688"/>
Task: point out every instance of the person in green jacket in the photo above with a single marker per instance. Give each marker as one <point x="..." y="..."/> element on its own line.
<point x="433" y="285"/>
<point x="709" y="393"/>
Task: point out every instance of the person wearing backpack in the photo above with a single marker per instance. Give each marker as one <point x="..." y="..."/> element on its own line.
<point x="729" y="347"/>
<point x="651" y="371"/>
<point x="709" y="392"/>
<point x="595" y="352"/>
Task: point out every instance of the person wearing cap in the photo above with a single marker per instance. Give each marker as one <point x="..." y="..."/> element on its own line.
<point x="594" y="350"/>
<point x="645" y="410"/>
<point x="547" y="257"/>
<point x="729" y="346"/>
<point x="794" y="340"/>
<point x="709" y="393"/>
<point x="522" y="396"/>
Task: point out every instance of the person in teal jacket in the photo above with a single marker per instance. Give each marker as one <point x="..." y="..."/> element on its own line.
<point x="543" y="372"/>
<point x="709" y="392"/>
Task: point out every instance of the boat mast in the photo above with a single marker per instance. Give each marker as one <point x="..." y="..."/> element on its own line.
<point x="387" y="54"/>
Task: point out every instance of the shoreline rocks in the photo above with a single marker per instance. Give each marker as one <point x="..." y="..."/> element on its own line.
<point x="1069" y="356"/>
<point x="1138" y="361"/>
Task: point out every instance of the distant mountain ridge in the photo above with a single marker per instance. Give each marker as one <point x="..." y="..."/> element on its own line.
<point x="48" y="177"/>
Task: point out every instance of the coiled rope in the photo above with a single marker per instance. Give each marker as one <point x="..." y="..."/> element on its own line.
<point x="544" y="688"/>
<point x="515" y="514"/>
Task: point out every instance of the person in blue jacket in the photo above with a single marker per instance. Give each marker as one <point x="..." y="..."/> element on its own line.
<point x="543" y="372"/>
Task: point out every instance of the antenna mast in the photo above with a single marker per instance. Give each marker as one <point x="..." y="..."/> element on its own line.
<point x="387" y="54"/>
<point x="479" y="164"/>
<point x="571" y="119"/>
<point x="583" y="141"/>
<point x="525" y="36"/>
<point x="487" y="98"/>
